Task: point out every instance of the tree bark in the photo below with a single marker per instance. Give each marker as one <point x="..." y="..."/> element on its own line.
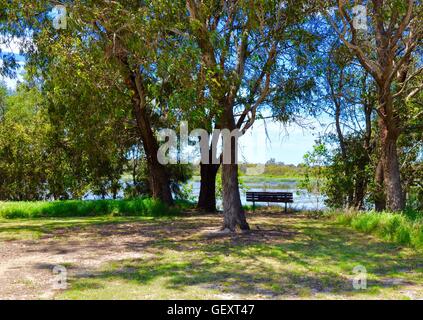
<point x="158" y="177"/>
<point x="350" y="196"/>
<point x="207" y="198"/>
<point x="362" y="177"/>
<point x="234" y="215"/>
<point x="360" y="188"/>
<point x="379" y="196"/>
<point x="391" y="170"/>
<point x="233" y="212"/>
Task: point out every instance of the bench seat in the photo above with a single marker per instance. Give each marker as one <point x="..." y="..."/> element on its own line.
<point x="270" y="197"/>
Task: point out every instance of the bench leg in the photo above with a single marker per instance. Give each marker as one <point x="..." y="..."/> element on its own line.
<point x="286" y="207"/>
<point x="254" y="206"/>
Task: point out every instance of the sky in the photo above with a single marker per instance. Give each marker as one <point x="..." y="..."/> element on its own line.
<point x="284" y="143"/>
<point x="12" y="47"/>
<point x="265" y="140"/>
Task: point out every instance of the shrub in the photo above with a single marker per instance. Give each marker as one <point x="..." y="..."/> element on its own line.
<point x="395" y="227"/>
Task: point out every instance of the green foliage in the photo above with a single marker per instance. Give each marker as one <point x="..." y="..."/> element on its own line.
<point x="411" y="157"/>
<point x="23" y="144"/>
<point x="273" y="169"/>
<point x="186" y="192"/>
<point x="42" y="158"/>
<point x="75" y="208"/>
<point x="347" y="177"/>
<point x="394" y="227"/>
<point x="179" y="176"/>
<point x="315" y="168"/>
<point x="74" y="133"/>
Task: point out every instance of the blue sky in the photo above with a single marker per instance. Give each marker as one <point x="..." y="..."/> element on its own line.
<point x="284" y="143"/>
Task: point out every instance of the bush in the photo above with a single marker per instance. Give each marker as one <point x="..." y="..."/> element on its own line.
<point x="390" y="226"/>
<point x="78" y="208"/>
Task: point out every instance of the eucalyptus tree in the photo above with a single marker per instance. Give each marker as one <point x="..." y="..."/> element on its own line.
<point x="23" y="130"/>
<point x="350" y="93"/>
<point x="122" y="32"/>
<point x="386" y="38"/>
<point x="411" y="146"/>
<point x="244" y="47"/>
<point x="125" y="53"/>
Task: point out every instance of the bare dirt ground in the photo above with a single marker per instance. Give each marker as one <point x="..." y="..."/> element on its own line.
<point x="26" y="265"/>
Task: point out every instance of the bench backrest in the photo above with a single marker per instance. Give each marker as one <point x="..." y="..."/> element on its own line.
<point x="270" y="197"/>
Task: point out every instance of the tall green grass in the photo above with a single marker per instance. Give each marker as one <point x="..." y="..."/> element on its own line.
<point x="77" y="208"/>
<point x="394" y="227"/>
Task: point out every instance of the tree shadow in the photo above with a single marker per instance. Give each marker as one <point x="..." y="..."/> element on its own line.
<point x="278" y="260"/>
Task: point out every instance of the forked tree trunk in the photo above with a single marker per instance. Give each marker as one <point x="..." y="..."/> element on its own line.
<point x="391" y="169"/>
<point x="207" y="198"/>
<point x="234" y="215"/>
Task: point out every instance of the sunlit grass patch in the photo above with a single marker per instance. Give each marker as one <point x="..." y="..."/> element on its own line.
<point x="78" y="208"/>
<point x="393" y="227"/>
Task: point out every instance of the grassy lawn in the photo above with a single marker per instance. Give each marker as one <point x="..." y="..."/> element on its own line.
<point x="405" y="229"/>
<point x="79" y="208"/>
<point x="33" y="229"/>
<point x="284" y="257"/>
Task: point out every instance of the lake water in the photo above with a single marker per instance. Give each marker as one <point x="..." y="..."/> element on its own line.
<point x="303" y="200"/>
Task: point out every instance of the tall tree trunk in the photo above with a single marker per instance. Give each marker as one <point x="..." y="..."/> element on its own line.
<point x="207" y="198"/>
<point x="391" y="170"/>
<point x="362" y="177"/>
<point x="158" y="177"/>
<point x="341" y="140"/>
<point x="234" y="215"/>
<point x="233" y="212"/>
<point x="379" y="196"/>
<point x="208" y="171"/>
<point x="360" y="190"/>
<point x="159" y="183"/>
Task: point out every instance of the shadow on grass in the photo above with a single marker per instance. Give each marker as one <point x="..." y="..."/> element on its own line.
<point x="51" y="227"/>
<point x="304" y="258"/>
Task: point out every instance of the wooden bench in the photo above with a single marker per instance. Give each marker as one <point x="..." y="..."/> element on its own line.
<point x="270" y="197"/>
